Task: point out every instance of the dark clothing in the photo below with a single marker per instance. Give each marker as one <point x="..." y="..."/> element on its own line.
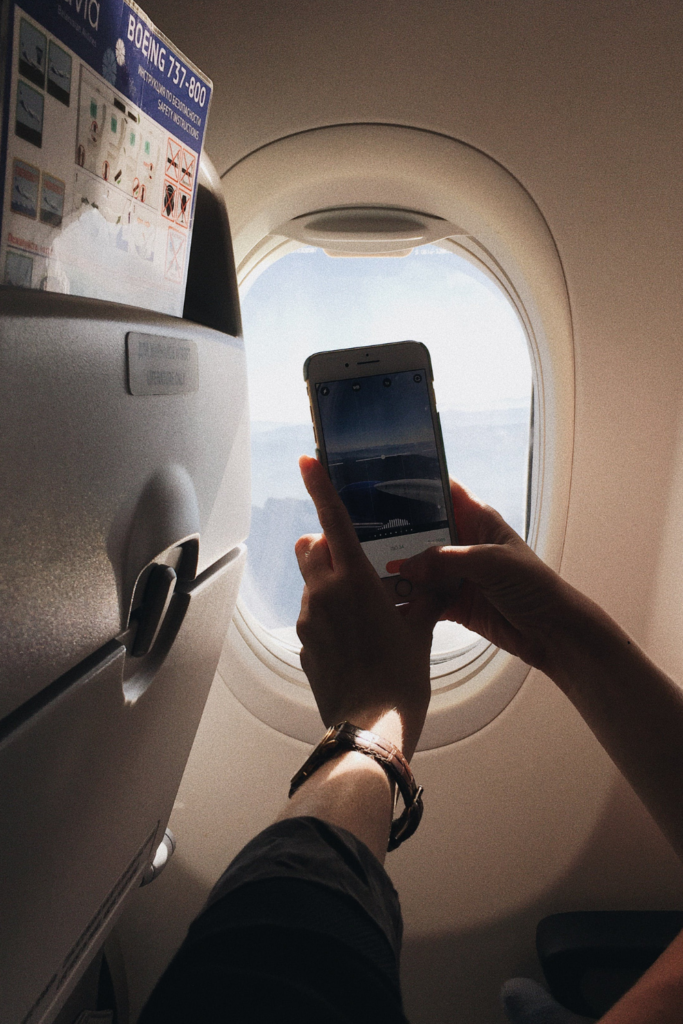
<point x="304" y="925"/>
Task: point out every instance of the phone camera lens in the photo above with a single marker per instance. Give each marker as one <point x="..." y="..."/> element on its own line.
<point x="325" y="391"/>
<point x="356" y="386"/>
<point x="386" y="382"/>
<point x="417" y="378"/>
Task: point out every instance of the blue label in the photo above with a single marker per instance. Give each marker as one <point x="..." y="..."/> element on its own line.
<point x="120" y="43"/>
<point x="104" y="121"/>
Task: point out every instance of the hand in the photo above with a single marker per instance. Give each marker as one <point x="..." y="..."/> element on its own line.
<point x="363" y="657"/>
<point x="493" y="583"/>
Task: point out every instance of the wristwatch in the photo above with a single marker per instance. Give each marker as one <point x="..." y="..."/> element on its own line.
<point x="343" y="737"/>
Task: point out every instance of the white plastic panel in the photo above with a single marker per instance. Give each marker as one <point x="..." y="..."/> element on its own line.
<point x="95" y="776"/>
<point x="96" y="481"/>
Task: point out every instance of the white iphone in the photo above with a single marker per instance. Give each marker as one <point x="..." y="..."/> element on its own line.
<point x="378" y="435"/>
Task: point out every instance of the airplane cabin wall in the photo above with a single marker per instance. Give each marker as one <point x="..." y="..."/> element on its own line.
<point x="581" y="103"/>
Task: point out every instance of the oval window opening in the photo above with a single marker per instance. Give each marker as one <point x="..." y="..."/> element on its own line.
<point x="307" y="302"/>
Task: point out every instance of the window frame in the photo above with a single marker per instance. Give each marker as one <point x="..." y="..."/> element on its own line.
<point x="502" y="229"/>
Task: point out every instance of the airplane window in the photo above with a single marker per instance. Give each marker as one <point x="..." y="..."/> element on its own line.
<point x="307" y="302"/>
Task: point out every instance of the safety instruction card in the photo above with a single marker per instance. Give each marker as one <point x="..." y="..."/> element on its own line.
<point x="103" y="122"/>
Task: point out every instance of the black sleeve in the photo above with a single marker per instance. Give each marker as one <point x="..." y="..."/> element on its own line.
<point x="304" y="925"/>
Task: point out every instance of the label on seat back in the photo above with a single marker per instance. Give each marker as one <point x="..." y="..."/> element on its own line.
<point x="161" y="366"/>
<point x="103" y="123"/>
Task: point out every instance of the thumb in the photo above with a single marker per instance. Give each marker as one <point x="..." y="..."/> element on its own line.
<point x="442" y="569"/>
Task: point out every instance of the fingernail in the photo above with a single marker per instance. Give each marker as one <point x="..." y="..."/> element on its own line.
<point x="395" y="566"/>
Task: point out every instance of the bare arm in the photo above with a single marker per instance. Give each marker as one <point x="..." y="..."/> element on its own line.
<point x="509" y="596"/>
<point x="352" y="791"/>
<point x="370" y="666"/>
<point x="634" y="709"/>
<point x="366" y="662"/>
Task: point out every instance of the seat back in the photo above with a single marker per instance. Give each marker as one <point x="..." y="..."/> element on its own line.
<point x="124" y="502"/>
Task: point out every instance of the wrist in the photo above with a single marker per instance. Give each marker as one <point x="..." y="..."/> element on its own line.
<point x="346" y="737"/>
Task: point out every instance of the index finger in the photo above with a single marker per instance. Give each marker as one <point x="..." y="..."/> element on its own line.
<point x="337" y="526"/>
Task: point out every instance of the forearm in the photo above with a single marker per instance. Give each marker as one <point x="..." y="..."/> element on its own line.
<point x="353" y="790"/>
<point x="632" y="707"/>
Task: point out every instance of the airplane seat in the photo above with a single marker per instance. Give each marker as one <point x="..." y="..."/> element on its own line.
<point x="125" y="502"/>
<point x="590" y="959"/>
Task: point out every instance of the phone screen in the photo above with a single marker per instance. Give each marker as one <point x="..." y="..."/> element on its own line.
<point x="383" y="460"/>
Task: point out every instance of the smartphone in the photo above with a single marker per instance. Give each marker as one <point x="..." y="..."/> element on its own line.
<point x="378" y="434"/>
